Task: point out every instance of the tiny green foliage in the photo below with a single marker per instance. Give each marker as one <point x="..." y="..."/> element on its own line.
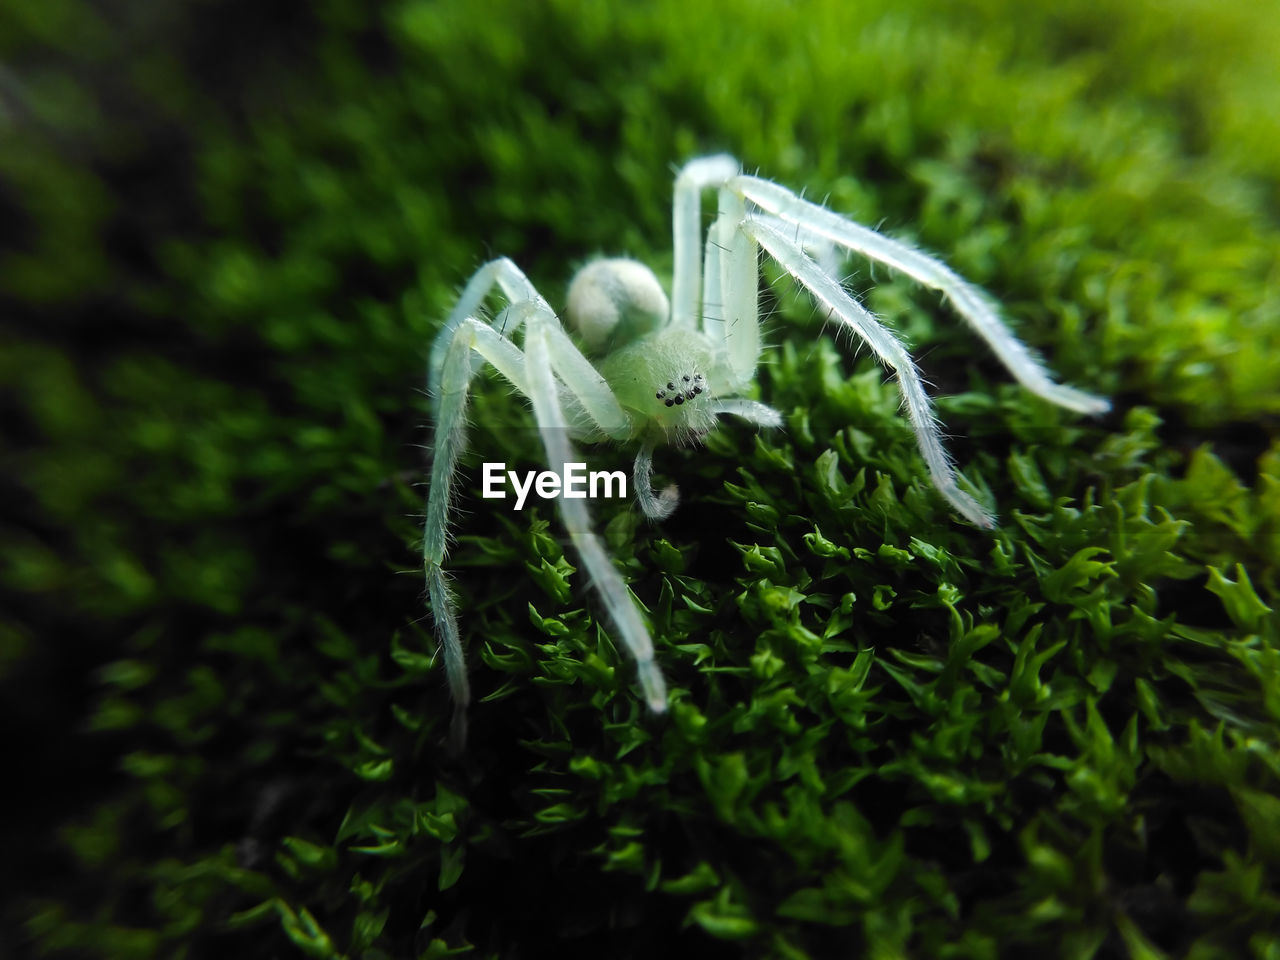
<point x="229" y="236"/>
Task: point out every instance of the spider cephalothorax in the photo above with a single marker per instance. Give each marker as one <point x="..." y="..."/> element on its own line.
<point x="643" y="370"/>
<point x="654" y="369"/>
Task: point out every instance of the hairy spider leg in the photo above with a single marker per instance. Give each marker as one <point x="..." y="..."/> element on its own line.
<point x="686" y="227"/>
<point x="659" y="506"/>
<point x="730" y="279"/>
<point x="885" y="344"/>
<point x="453" y="376"/>
<point x="739" y="289"/>
<point x="655" y="506"/>
<point x="826" y="254"/>
<point x="712" y="301"/>
<point x="541" y="347"/>
<point x="752" y="411"/>
<point x="969" y="301"/>
<point x="582" y="378"/>
<point x="696" y="176"/>
<point x="457" y="355"/>
<point x="515" y="286"/>
<point x="731" y="313"/>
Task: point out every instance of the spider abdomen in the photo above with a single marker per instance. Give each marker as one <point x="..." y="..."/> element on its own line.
<point x="614" y="302"/>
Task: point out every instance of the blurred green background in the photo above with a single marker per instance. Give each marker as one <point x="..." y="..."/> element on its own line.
<point x="229" y="231"/>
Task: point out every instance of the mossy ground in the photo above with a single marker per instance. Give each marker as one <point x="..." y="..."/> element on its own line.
<point x="230" y="232"/>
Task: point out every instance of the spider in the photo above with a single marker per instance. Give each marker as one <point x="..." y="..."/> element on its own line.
<point x="639" y="369"/>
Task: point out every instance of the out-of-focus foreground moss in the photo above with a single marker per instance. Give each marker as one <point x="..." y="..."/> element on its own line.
<point x="230" y="230"/>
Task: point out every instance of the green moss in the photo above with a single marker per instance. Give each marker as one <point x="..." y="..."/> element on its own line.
<point x="890" y="734"/>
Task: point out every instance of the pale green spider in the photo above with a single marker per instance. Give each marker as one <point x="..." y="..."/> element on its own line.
<point x="665" y="373"/>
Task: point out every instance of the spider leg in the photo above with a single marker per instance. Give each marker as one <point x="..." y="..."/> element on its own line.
<point x="468" y="338"/>
<point x="541" y="355"/>
<point x="712" y="303"/>
<point x="515" y="286"/>
<point x="457" y="355"/>
<point x="686" y="215"/>
<point x="584" y="381"/>
<point x="749" y="410"/>
<point x="659" y="506"/>
<point x="970" y="302"/>
<point x="736" y="251"/>
<point x="818" y="247"/>
<point x="656" y="506"/>
<point x="827" y="291"/>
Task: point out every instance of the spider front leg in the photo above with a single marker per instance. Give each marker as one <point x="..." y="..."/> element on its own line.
<point x="452" y="373"/>
<point x="594" y="395"/>
<point x="455" y="354"/>
<point x="515" y="286"/>
<point x="544" y="351"/>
